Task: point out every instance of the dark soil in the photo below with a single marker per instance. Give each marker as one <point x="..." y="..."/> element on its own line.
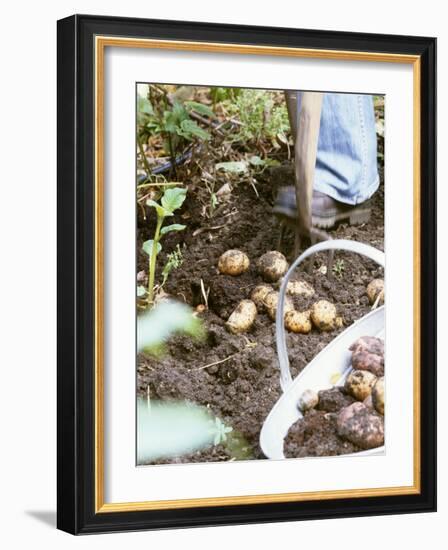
<point x="211" y="454"/>
<point x="315" y="434"/>
<point x="244" y="386"/>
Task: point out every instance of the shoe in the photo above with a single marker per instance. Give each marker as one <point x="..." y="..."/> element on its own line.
<point x="326" y="212"/>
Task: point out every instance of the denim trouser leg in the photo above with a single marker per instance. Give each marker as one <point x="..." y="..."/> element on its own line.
<point x="346" y="164"/>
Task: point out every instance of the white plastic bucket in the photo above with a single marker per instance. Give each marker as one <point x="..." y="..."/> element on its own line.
<point x="333" y="362"/>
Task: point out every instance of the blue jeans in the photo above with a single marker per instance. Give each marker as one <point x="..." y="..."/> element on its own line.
<point x="346" y="164"/>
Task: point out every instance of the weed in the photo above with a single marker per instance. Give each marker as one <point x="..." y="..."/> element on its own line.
<point x="174" y="261"/>
<point x="259" y="115"/>
<point x="171" y="200"/>
<point x="158" y="113"/>
<point x="339" y="268"/>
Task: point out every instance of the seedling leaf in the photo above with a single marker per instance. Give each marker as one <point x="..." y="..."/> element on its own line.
<point x="173" y="199"/>
<point x="148" y="246"/>
<point x="173" y="227"/>
<point x="161" y="211"/>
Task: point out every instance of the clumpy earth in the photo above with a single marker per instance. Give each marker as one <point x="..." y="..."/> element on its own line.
<point x="316" y="434"/>
<point x="237" y="376"/>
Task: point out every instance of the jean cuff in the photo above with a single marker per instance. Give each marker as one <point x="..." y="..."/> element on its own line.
<point x="364" y="195"/>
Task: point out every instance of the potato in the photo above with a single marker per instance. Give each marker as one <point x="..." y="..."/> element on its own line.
<point x="339" y="322"/>
<point x="359" y="384"/>
<point x="378" y="395"/>
<point x="368" y="354"/>
<point x="298" y="321"/>
<point x="308" y="400"/>
<point x="361" y="426"/>
<point x="299" y="288"/>
<point x="363" y="360"/>
<point x="258" y="295"/>
<point x="233" y="262"/>
<point x="368" y="402"/>
<point x="375" y="289"/>
<point x="242" y="318"/>
<point x="271" y="302"/>
<point x="323" y="315"/>
<point x="368" y="343"/>
<point x="272" y="266"/>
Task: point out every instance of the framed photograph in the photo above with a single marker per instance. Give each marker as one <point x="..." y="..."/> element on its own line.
<point x="246" y="268"/>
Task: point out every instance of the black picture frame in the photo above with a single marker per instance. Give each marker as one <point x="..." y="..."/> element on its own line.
<point x="76" y="253"/>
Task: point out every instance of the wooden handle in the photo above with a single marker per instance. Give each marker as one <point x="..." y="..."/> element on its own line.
<point x="305" y="153"/>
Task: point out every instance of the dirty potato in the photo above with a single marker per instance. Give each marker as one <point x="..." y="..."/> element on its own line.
<point x="359" y="384"/>
<point x="233" y="262"/>
<point x="375" y="291"/>
<point x="258" y="295"/>
<point x="272" y="266"/>
<point x="378" y="395"/>
<point x="323" y="315"/>
<point x="363" y="360"/>
<point x="339" y="322"/>
<point x="271" y="303"/>
<point x="368" y="354"/>
<point x="368" y="343"/>
<point x="361" y="426"/>
<point x="368" y="402"/>
<point x="298" y="321"/>
<point x="299" y="288"/>
<point x="308" y="400"/>
<point x="242" y="318"/>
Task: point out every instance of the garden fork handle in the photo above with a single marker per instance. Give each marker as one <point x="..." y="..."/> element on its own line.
<point x="305" y="154"/>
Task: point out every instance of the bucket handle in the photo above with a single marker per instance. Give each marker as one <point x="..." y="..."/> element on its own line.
<point x="280" y="335"/>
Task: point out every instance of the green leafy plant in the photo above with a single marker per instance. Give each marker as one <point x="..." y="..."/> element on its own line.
<point x="224" y="94"/>
<point x="171" y="200"/>
<point x="339" y="268"/>
<point x="260" y="115"/>
<point x="173" y="119"/>
<point x="219" y="431"/>
<point x="174" y="261"/>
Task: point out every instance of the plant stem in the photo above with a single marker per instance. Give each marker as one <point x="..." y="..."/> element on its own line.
<point x="144" y="159"/>
<point x="172" y="155"/>
<point x="152" y="260"/>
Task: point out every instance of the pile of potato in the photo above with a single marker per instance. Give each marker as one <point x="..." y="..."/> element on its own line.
<point x="360" y="422"/>
<point x="272" y="266"/>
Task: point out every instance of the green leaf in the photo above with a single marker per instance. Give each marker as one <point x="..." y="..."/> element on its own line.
<point x="173" y="199"/>
<point x="161" y="211"/>
<point x="144" y="106"/>
<point x="190" y="128"/>
<point x="199" y="108"/>
<point x="156" y="327"/>
<point x="148" y="246"/>
<point x="141" y="291"/>
<point x="173" y="227"/>
<point x="256" y="161"/>
<point x="169" y="122"/>
<point x="179" y="112"/>
<point x="236" y="167"/>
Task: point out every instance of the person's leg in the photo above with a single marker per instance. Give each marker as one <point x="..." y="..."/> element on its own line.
<point x="346" y="165"/>
<point x="346" y="174"/>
